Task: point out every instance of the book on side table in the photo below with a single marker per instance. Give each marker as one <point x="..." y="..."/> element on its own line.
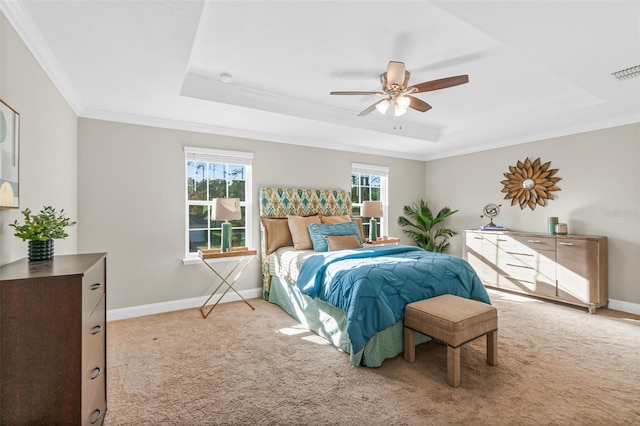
<point x="492" y="228"/>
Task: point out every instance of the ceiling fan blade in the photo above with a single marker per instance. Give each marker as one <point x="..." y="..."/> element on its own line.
<point x="442" y="83"/>
<point x="371" y="108"/>
<point x="418" y="104"/>
<point x="356" y="93"/>
<point x="395" y="73"/>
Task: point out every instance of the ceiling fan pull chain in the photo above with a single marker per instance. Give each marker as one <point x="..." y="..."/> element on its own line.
<point x="396" y="126"/>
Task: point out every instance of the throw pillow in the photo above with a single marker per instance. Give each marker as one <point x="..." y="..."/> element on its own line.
<point x="300" y="232"/>
<point x="342" y="242"/>
<point x="276" y="233"/>
<point x="319" y="232"/>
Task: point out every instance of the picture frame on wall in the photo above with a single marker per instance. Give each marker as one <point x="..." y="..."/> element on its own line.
<point x="9" y="157"/>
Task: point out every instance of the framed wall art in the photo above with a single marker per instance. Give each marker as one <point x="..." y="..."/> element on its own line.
<point x="9" y="156"/>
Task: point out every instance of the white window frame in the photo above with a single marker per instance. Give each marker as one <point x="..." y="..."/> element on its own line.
<point x="383" y="173"/>
<point x="226" y="157"/>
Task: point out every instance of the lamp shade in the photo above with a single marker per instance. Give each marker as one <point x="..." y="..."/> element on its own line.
<point x="225" y="209"/>
<point x="371" y="209"/>
<point x="383" y="106"/>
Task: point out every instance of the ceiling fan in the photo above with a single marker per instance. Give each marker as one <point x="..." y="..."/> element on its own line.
<point x="397" y="92"/>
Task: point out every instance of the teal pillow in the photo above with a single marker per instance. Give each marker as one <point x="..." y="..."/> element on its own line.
<point x="319" y="232"/>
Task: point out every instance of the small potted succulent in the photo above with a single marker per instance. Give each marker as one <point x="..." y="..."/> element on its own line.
<point x="41" y="229"/>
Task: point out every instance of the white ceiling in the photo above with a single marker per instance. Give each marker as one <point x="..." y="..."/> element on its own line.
<point x="536" y="69"/>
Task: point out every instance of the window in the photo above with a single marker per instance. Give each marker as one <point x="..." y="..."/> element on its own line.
<point x="369" y="183"/>
<point x="215" y="174"/>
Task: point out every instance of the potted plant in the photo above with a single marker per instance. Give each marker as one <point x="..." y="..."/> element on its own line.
<point x="41" y="229"/>
<point x="425" y="230"/>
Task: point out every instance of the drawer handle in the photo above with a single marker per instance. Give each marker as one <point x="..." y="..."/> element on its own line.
<point x="565" y="244"/>
<point x="501" y="239"/>
<point x="520" y="280"/>
<point x="519" y="266"/>
<point x="95" y="416"/>
<point x="520" y="254"/>
<point x="95" y="286"/>
<point x="95" y="373"/>
<point x="533" y="241"/>
<point x="95" y="330"/>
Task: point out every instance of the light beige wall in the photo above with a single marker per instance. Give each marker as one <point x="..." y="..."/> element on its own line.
<point x="48" y="142"/>
<point x="600" y="194"/>
<point x="131" y="201"/>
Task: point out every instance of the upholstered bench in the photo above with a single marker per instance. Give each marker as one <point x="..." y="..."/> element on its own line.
<point x="454" y="321"/>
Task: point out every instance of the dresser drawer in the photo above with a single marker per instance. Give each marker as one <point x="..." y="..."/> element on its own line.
<point x="94" y="340"/>
<point x="544" y="272"/>
<point x="94" y="366"/>
<point x="93" y="287"/>
<point x="535" y="243"/>
<point x="94" y="401"/>
<point x="531" y="286"/>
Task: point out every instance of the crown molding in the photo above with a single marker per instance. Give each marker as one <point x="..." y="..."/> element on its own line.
<point x="21" y="21"/>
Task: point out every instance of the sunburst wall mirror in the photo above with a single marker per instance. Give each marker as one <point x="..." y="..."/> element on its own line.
<point x="530" y="183"/>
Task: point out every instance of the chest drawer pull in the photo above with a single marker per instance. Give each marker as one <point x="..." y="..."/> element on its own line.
<point x="515" y="253"/>
<point x="565" y="244"/>
<point x="533" y="241"/>
<point x="519" y="266"/>
<point x="95" y="286"/>
<point x="95" y="373"/>
<point x="95" y="330"/>
<point x="95" y="416"/>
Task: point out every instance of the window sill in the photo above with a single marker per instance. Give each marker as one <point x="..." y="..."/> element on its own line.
<point x="191" y="261"/>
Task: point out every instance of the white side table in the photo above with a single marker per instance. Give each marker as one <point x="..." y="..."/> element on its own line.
<point x="242" y="256"/>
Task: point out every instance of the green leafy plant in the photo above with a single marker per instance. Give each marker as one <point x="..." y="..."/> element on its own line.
<point x="425" y="228"/>
<point x="49" y="224"/>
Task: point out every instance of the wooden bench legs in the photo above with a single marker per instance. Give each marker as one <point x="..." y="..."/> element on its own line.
<point x="409" y="345"/>
<point x="492" y="348"/>
<point x="455" y="321"/>
<point x="453" y="354"/>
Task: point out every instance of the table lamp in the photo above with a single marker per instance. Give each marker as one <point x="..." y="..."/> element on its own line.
<point x="372" y="209"/>
<point x="226" y="209"/>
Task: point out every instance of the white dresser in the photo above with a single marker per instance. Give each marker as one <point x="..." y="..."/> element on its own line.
<point x="565" y="268"/>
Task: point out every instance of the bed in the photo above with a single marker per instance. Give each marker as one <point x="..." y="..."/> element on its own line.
<point x="315" y="269"/>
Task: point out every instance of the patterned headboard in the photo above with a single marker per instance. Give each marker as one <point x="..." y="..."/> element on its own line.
<point x="280" y="202"/>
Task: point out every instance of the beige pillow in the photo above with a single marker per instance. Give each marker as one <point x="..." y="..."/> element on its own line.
<point x="300" y="232"/>
<point x="344" y="218"/>
<point x="276" y="233"/>
<point x="335" y="219"/>
<point x="342" y="242"/>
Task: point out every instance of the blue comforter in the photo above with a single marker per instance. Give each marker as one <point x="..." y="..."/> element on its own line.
<point x="373" y="284"/>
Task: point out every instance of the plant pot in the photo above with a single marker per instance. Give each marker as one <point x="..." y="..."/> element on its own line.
<point x="40" y="250"/>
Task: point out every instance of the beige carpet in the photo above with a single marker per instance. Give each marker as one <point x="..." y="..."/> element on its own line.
<point x="557" y="365"/>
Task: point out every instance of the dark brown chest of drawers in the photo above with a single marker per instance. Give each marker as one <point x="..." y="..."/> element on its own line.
<point x="53" y="341"/>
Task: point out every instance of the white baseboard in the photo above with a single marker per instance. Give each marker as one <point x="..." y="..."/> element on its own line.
<point x="176" y="305"/>
<point x="621" y="305"/>
<point x="196" y="302"/>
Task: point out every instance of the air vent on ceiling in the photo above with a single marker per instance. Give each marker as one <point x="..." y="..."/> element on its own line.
<point x="627" y="73"/>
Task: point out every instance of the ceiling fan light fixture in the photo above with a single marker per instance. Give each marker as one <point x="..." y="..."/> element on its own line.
<point x="403" y="102"/>
<point x="383" y="106"/>
<point x="398" y="111"/>
<point x="396" y="89"/>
